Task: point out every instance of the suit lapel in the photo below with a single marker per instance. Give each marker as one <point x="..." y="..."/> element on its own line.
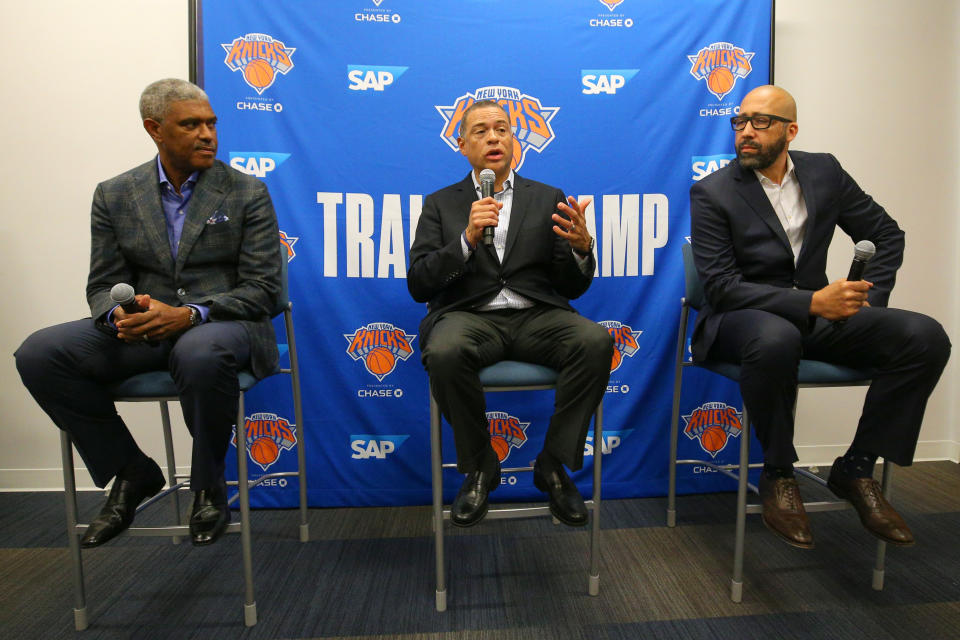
<point x="149" y="210"/>
<point x="518" y="210"/>
<point x="809" y="193"/>
<point x="207" y="196"/>
<point x="750" y="189"/>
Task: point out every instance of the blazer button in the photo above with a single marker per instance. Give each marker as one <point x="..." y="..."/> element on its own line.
<point x="181" y="292"/>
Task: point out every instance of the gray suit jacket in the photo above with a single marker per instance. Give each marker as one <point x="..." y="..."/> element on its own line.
<point x="228" y="258"/>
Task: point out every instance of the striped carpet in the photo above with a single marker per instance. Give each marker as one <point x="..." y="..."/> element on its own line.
<point x="368" y="573"/>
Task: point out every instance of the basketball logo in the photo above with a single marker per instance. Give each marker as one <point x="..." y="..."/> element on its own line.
<point x="720" y="64"/>
<point x="506" y="433"/>
<point x="379" y="345"/>
<point x="624" y="341"/>
<point x="260" y="57"/>
<point x="265" y="436"/>
<point x="611" y="4"/>
<point x="713" y="424"/>
<point x="529" y="119"/>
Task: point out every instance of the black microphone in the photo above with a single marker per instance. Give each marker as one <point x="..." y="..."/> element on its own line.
<point x="487" y="177"/>
<point x="862" y="253"/>
<point x="123" y="295"/>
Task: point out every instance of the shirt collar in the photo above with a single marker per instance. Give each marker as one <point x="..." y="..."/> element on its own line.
<point x="191" y="179"/>
<point x="507" y="184"/>
<point x="789" y="174"/>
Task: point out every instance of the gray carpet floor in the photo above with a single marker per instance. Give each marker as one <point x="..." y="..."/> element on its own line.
<point x="368" y="573"/>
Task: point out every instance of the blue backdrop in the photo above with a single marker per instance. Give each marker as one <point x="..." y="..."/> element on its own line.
<point x="348" y="111"/>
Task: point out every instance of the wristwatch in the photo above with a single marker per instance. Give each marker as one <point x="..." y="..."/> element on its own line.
<point x="588" y="251"/>
<point x="195" y="317"/>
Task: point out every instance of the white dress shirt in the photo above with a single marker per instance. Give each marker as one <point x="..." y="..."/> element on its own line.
<point x="787" y="201"/>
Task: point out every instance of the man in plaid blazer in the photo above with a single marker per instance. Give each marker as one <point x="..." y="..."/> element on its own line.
<point x="198" y="241"/>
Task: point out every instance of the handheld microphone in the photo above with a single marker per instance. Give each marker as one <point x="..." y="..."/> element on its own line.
<point x="123" y="295"/>
<point x="862" y="253"/>
<point x="487" y="177"/>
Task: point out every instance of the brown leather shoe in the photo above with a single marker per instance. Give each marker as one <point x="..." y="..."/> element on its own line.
<point x="876" y="514"/>
<point x="783" y="511"/>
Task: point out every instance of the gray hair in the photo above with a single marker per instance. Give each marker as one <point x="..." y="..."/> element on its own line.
<point x="156" y="98"/>
<point x="477" y="105"/>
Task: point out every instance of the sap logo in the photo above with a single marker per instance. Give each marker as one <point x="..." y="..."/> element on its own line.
<point x="705" y="165"/>
<point x="607" y="81"/>
<point x="366" y="446"/>
<point x="256" y="163"/>
<point x="363" y="78"/>
<point x="611" y="440"/>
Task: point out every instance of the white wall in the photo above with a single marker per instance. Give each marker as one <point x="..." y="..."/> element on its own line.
<point x="875" y="80"/>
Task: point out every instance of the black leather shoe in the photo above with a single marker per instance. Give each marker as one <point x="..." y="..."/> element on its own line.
<point x="121" y="505"/>
<point x="470" y="505"/>
<point x="876" y="514"/>
<point x="566" y="503"/>
<point x="209" y="516"/>
<point x="783" y="511"/>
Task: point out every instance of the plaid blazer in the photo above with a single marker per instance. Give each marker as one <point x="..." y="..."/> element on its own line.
<point x="228" y="258"/>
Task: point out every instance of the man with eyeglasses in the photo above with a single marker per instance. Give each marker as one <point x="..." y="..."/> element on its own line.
<point x="761" y="227"/>
<point x="507" y="300"/>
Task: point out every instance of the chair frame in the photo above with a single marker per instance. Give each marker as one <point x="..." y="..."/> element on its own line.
<point x="739" y="471"/>
<point x="503" y="511"/>
<point x="180" y="482"/>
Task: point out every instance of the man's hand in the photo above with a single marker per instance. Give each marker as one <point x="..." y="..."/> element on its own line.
<point x="840" y="300"/>
<point x="159" y="322"/>
<point x="483" y="213"/>
<point x="573" y="227"/>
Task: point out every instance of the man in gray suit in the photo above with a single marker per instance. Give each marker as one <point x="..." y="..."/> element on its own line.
<point x="198" y="241"/>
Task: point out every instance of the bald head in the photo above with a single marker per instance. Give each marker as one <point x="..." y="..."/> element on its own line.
<point x="772" y="100"/>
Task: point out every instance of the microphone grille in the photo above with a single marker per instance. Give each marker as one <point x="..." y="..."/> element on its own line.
<point x="487" y="175"/>
<point x="122" y="293"/>
<point x="864" y="250"/>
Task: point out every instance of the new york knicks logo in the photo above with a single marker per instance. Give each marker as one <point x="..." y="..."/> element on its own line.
<point x="529" y="119"/>
<point x="713" y="423"/>
<point x="260" y="57"/>
<point x="288" y="242"/>
<point x="721" y="64"/>
<point x="379" y="345"/>
<point x="265" y="436"/>
<point x="506" y="433"/>
<point x="611" y="4"/>
<point x="624" y="341"/>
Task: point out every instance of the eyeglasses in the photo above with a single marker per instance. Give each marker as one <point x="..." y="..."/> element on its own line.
<point x="759" y="121"/>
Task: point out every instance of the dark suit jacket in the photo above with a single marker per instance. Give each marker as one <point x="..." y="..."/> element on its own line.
<point x="537" y="263"/>
<point x="228" y="257"/>
<point x="743" y="255"/>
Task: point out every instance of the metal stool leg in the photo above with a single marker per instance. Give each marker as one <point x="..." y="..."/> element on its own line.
<point x="171" y="464"/>
<point x="70" y="497"/>
<point x="436" y="452"/>
<point x="593" y="587"/>
<point x="243" y="485"/>
<point x="298" y="416"/>
<point x="736" y="583"/>
<point x="675" y="418"/>
<point x="878" y="567"/>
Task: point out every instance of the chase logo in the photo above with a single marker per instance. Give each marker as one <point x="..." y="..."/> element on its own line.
<point x="721" y="64"/>
<point x="260" y="57"/>
<point x="363" y="78"/>
<point x="266" y="435"/>
<point x="703" y="166"/>
<point x="529" y="119"/>
<point x="256" y="163"/>
<point x="624" y="341"/>
<point x="366" y="446"/>
<point x="379" y="345"/>
<point x="713" y="423"/>
<point x="506" y="433"/>
<point x="611" y="440"/>
<point x="607" y="81"/>
<point x="288" y="242"/>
